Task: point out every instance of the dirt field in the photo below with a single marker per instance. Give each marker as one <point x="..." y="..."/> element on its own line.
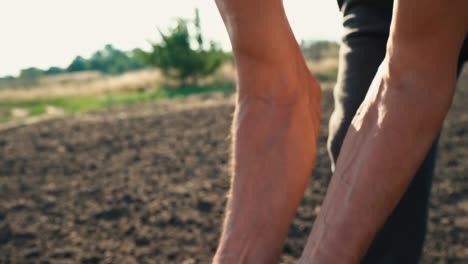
<point x="146" y="184"/>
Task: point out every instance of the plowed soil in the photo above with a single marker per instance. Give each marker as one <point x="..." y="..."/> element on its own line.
<point x="147" y="184"/>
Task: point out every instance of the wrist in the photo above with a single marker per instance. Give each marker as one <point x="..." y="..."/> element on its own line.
<point x="277" y="85"/>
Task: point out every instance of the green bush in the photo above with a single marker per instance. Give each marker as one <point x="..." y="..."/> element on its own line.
<point x="108" y="60"/>
<point x="78" y="64"/>
<point x="31" y="73"/>
<point x="176" y="57"/>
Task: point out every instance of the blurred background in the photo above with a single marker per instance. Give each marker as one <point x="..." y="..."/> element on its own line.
<point x="114" y="132"/>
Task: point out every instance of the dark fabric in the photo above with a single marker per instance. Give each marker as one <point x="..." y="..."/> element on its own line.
<point x="366" y="25"/>
<point x="382" y="4"/>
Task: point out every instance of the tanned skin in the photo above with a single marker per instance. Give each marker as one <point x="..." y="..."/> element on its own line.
<point x="393" y="129"/>
<point x="274" y="131"/>
<point x="277" y="119"/>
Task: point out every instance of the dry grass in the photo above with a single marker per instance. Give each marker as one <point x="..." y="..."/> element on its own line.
<point x="325" y="70"/>
<point x="95" y="83"/>
<point x="323" y="65"/>
<point x="83" y="84"/>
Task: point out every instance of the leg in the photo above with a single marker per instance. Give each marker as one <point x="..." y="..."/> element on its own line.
<point x="274" y="131"/>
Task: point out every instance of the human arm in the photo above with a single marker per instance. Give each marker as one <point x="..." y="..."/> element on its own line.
<point x="392" y="130"/>
<point x="274" y="131"/>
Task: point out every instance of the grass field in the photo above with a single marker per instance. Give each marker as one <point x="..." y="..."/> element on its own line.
<point x="22" y="100"/>
<point x="73" y="104"/>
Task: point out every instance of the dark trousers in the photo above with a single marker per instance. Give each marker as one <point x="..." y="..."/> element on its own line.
<point x="366" y="25"/>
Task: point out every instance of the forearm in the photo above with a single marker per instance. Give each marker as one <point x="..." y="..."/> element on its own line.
<point x="273" y="157"/>
<point x="384" y="146"/>
<point x="274" y="131"/>
<point x="392" y="130"/>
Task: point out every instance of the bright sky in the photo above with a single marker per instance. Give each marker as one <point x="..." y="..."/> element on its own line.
<point x="52" y="32"/>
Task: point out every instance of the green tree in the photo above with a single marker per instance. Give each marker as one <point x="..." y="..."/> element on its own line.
<point x="78" y="64"/>
<point x="178" y="59"/>
<point x="198" y="33"/>
<point x="31" y="73"/>
<point x="7" y="78"/>
<point x="114" y="61"/>
<point x="54" y="70"/>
